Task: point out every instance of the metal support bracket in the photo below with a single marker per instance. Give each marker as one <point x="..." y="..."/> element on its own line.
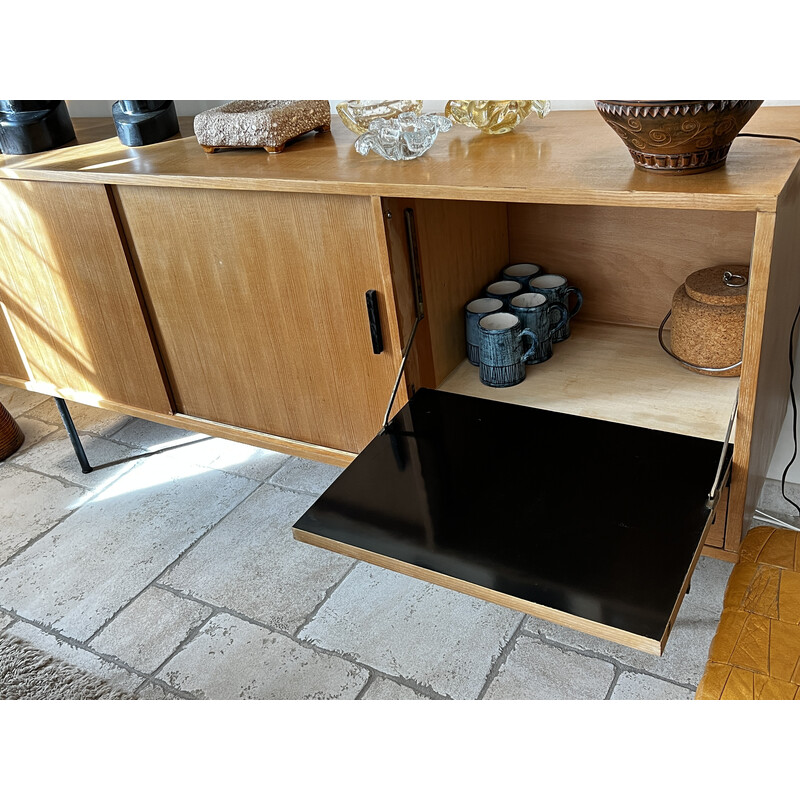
<point x="72" y="432"/>
<point x="413" y="259"/>
<point x="717" y="485"/>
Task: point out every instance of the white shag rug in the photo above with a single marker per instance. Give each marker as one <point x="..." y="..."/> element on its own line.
<point x="29" y="674"/>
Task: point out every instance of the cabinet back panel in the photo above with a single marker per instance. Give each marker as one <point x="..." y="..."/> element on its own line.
<point x="627" y="261"/>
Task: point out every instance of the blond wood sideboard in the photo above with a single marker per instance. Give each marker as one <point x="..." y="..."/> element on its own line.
<point x="225" y="293"/>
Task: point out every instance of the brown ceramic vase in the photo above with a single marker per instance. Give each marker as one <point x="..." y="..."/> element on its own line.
<point x="11" y="436"/>
<point x="677" y="137"/>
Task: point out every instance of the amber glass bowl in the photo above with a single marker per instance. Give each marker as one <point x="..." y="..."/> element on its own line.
<point x="494" y="116"/>
<point x="677" y="137"/>
<point x="357" y="114"/>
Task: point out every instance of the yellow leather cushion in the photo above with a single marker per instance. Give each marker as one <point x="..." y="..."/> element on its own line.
<point x="755" y="653"/>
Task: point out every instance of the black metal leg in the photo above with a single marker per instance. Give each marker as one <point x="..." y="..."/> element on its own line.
<point x="66" y="418"/>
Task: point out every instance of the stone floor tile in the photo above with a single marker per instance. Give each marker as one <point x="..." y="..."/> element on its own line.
<point x="231" y="659"/>
<point x="20" y="401"/>
<point x="56" y="457"/>
<point x="240" y="459"/>
<point x="251" y="564"/>
<point x="30" y="504"/>
<point x="537" y="671"/>
<point x="709" y="580"/>
<point x="686" y="652"/>
<point x="406" y="627"/>
<point x="683" y="660"/>
<point x="87" y="419"/>
<point x="384" y="689"/>
<point x="635" y="686"/>
<point x="773" y="502"/>
<point x="118" y="677"/>
<point x="306" y="476"/>
<point x="146" y="633"/>
<point x="145" y="435"/>
<point x="152" y="691"/>
<point x="91" y="564"/>
<point x="35" y="430"/>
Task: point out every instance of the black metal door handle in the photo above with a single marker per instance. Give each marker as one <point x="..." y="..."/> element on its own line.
<point x="374" y="322"/>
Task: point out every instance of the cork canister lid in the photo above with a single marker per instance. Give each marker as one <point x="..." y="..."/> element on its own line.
<point x="719" y="286"/>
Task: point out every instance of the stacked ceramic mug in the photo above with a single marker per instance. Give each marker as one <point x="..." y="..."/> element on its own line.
<point x="517" y="321"/>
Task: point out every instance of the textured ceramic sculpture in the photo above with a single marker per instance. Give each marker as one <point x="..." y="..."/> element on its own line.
<point x="357" y="114"/>
<point x="677" y="137"/>
<point x="402" y="138"/>
<point x="494" y="116"/>
<point x="260" y="123"/>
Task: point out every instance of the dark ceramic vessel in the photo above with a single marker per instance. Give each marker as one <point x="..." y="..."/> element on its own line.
<point x="142" y="122"/>
<point x="678" y="137"/>
<point x="32" y="126"/>
<point x="557" y="290"/>
<point x="502" y="354"/>
<point x="474" y="312"/>
<point x="545" y="319"/>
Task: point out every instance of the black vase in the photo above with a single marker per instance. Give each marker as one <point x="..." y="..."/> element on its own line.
<point x="141" y="122"/>
<point x="31" y="126"/>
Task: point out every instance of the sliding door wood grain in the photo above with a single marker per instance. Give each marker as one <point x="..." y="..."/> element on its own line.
<point x="69" y="298"/>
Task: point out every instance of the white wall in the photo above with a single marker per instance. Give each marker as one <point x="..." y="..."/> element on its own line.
<point x="102" y="108"/>
<point x="783" y="451"/>
<point x="187" y="108"/>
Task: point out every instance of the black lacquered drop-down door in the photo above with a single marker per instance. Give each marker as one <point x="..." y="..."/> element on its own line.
<point x="590" y="524"/>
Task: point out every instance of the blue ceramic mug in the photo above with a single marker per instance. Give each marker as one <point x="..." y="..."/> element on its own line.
<point x="501" y="350"/>
<point x="556" y="289"/>
<point x="521" y="273"/>
<point x="543" y="318"/>
<point x="474" y="312"/>
<point x="503" y="290"/>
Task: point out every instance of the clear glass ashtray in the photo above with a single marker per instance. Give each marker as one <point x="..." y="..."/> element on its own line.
<point x="358" y="114"/>
<point x="494" y="116"/>
<point x="404" y="137"/>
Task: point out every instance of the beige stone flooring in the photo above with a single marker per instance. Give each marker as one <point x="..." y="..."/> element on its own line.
<point x="172" y="573"/>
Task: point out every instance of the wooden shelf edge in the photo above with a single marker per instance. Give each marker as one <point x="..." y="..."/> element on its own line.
<point x="597" y="629"/>
<point x="707" y="202"/>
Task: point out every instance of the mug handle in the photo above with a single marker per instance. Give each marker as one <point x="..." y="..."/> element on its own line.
<point x="532" y="349"/>
<point x="563" y="313"/>
<point x="578" y="300"/>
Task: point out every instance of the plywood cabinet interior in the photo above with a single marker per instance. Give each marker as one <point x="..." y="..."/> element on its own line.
<point x="259" y="306"/>
<point x="628" y="261"/>
<point x="71" y="321"/>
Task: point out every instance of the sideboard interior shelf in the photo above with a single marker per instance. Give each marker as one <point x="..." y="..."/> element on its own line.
<point x="590" y="524"/>
<point x="616" y="373"/>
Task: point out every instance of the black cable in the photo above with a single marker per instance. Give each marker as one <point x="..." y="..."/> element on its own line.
<point x="794" y="411"/>
<point x="768" y="136"/>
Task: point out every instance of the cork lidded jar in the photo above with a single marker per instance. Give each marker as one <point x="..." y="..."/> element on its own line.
<point x="708" y="313"/>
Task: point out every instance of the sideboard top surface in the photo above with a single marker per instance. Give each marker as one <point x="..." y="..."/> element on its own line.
<point x="570" y="157"/>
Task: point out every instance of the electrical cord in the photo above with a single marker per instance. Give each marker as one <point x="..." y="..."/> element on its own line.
<point x="769" y="136"/>
<point x="794" y="411"/>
